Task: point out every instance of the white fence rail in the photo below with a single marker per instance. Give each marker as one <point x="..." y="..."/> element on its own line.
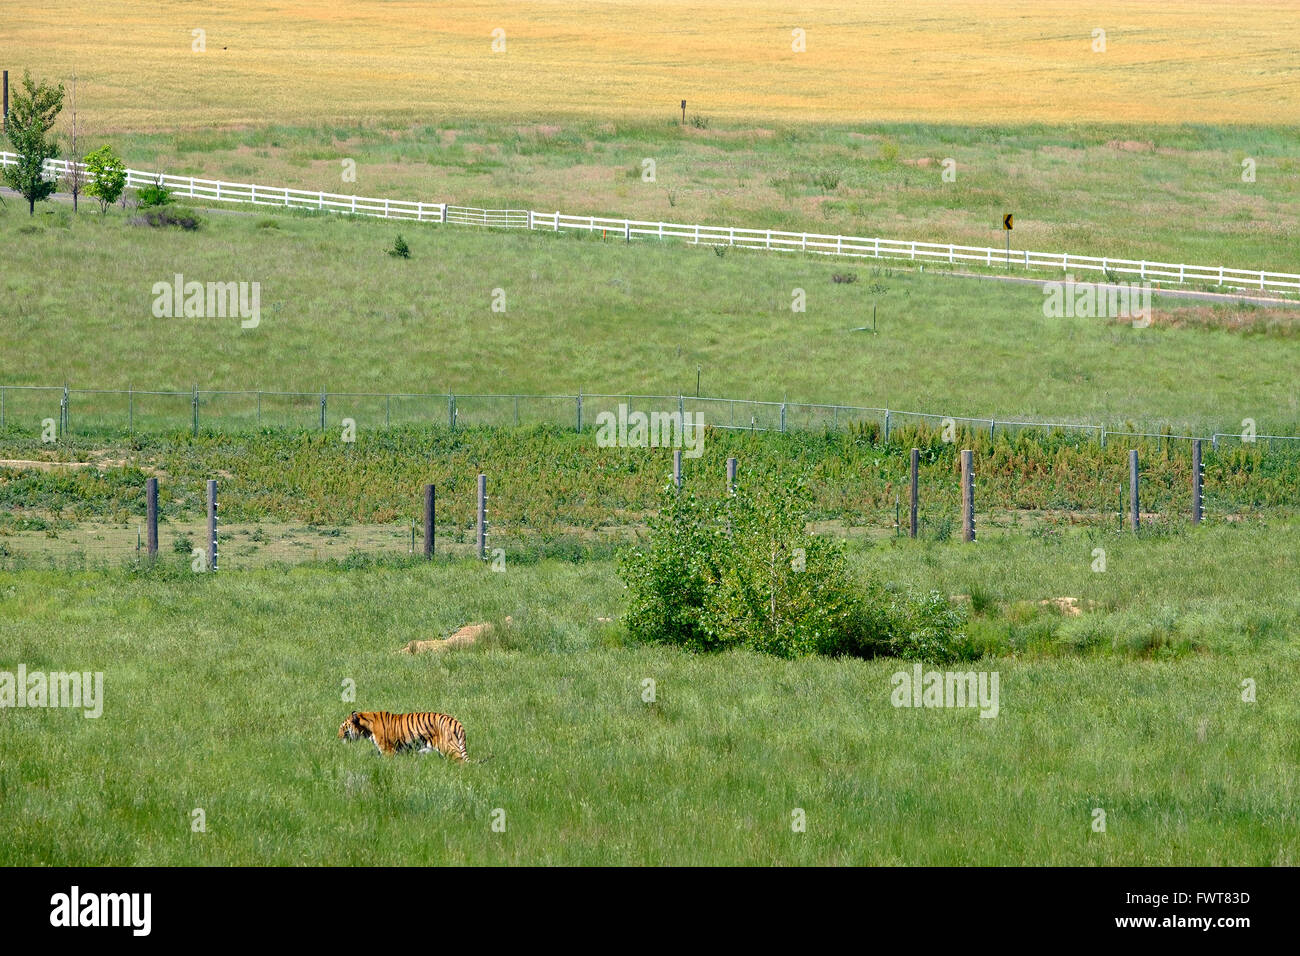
<point x="769" y="239"/>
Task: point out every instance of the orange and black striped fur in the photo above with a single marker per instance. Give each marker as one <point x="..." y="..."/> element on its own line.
<point x="394" y="732"/>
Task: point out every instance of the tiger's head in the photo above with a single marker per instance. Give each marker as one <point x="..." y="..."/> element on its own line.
<point x="355" y="728"/>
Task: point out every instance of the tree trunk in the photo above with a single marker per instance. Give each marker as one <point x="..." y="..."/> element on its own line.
<point x="31" y="206"/>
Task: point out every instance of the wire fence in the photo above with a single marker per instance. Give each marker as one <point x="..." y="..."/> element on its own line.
<point x="772" y="240"/>
<point x="67" y="410"/>
<point x="279" y="504"/>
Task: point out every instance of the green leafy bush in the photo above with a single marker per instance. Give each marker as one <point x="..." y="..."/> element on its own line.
<point x="743" y="571"/>
<point x="400" y="249"/>
<point x="155" y="194"/>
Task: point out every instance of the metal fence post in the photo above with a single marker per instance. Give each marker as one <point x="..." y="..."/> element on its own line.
<point x="677" y="469"/>
<point x="886" y="425"/>
<point x="580" y="411"/>
<point x="322" y="409"/>
<point x="916" y="467"/>
<point x="451" y="411"/>
<point x="1134" y="510"/>
<point x="212" y="524"/>
<point x="1198" y="479"/>
<point x="196" y="411"/>
<point x="151" y="516"/>
<point x="967" y="495"/>
<point x="783" y="416"/>
<point x="731" y="476"/>
<point x="482" y="516"/>
<point x="430" y="504"/>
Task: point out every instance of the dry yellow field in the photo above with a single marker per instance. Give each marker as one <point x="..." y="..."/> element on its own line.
<point x="900" y="60"/>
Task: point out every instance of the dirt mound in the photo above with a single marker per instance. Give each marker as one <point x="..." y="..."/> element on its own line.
<point x="463" y="637"/>
<point x="1069" y="606"/>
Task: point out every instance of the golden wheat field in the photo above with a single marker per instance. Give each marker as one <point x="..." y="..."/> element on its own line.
<point x="900" y="60"/>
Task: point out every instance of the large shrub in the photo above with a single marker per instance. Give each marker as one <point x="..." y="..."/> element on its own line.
<point x="743" y="571"/>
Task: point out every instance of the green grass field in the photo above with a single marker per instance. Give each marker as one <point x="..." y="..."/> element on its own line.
<point x="582" y="313"/>
<point x="224" y="693"/>
<point x="1148" y="675"/>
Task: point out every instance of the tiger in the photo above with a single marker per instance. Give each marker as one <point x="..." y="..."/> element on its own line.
<point x="394" y="732"/>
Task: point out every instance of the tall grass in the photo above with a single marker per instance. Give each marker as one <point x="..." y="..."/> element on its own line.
<point x="225" y="693"/>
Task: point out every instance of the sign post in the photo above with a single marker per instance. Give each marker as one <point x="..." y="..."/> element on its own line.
<point x="1008" y="223"/>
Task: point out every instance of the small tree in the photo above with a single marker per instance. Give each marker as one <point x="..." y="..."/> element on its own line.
<point x="107" y="175"/>
<point x="400" y="249"/>
<point x="75" y="178"/>
<point x="31" y="117"/>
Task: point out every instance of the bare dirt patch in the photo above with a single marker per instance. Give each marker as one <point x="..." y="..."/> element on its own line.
<point x="1131" y="146"/>
<point x="25" y="463"/>
<point x="1246" y="319"/>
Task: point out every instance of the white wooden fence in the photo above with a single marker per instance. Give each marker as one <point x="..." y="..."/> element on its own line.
<point x="770" y="239"/>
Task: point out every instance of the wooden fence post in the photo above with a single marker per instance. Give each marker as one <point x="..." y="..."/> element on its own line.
<point x="731" y="476"/>
<point x="151" y="516"/>
<point x="1198" y="479"/>
<point x="916" y="463"/>
<point x="1133" y="508"/>
<point x="482" y="516"/>
<point x="430" y="504"/>
<point x="967" y="495"/>
<point x="212" y="524"/>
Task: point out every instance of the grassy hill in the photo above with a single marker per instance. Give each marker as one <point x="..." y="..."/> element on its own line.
<point x="598" y="315"/>
<point x="913" y="60"/>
